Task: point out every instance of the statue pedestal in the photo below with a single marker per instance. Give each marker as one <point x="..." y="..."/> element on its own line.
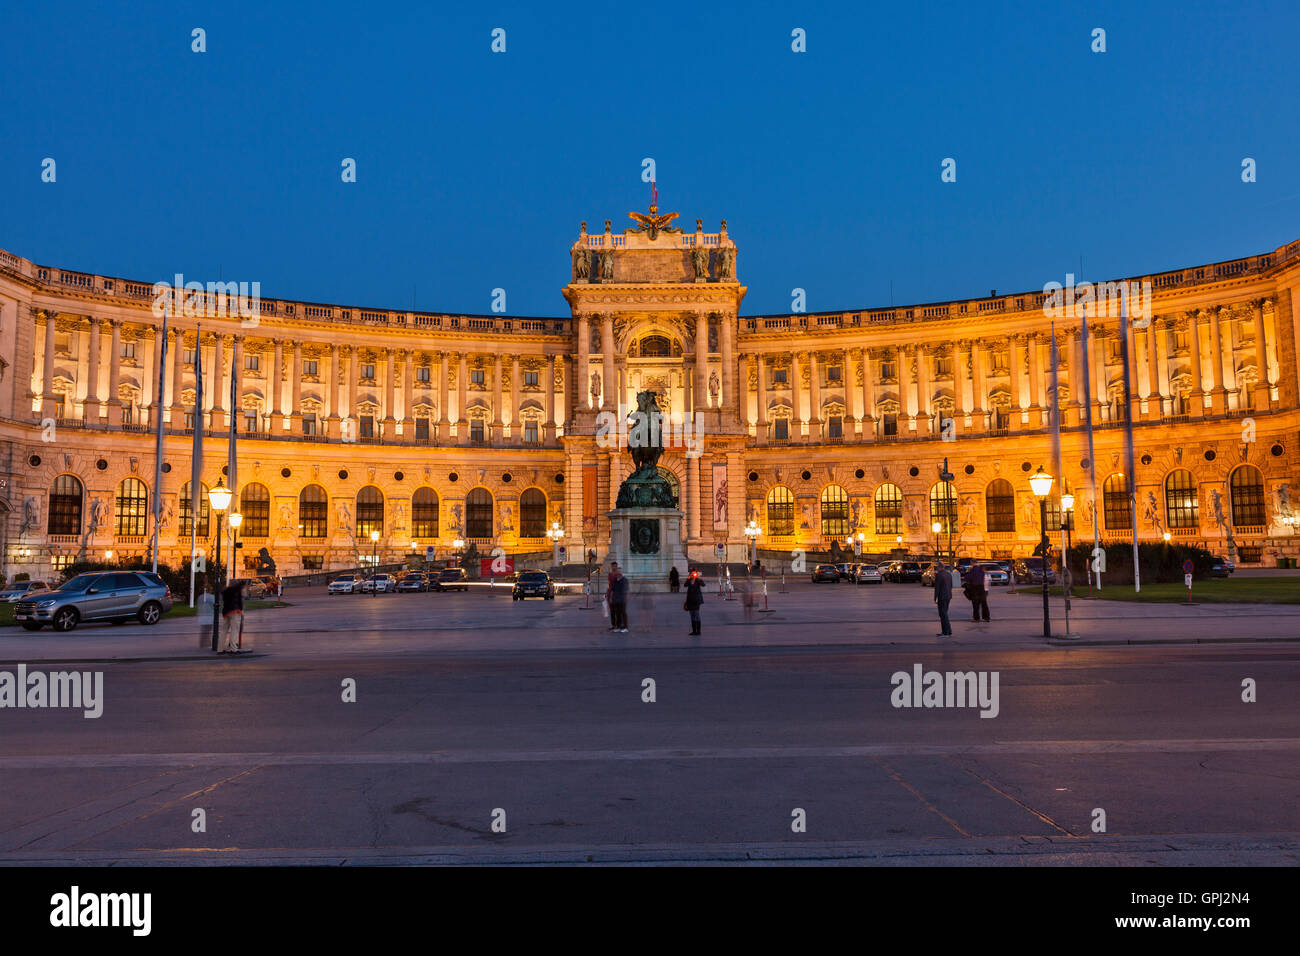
<point x="646" y="542"/>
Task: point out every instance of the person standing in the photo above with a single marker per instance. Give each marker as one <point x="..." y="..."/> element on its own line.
<point x="942" y="597"/>
<point x="977" y="591"/>
<point x="674" y="580"/>
<point x="694" y="598"/>
<point x="232" y="604"/>
<point x="618" y="589"/>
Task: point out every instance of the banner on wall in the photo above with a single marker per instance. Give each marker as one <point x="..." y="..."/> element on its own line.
<point x="719" y="496"/>
<point x="589" y="487"/>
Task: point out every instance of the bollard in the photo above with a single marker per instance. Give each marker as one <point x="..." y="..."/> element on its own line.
<point x="766" y="609"/>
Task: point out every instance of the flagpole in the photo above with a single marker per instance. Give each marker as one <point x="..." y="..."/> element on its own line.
<point x="232" y="466"/>
<point x="196" y="456"/>
<point x="1130" y="466"/>
<point x="1092" y="464"/>
<point x="158" y="440"/>
<point x="1055" y="412"/>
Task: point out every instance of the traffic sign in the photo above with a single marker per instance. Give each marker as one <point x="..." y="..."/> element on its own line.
<point x="1187" y="580"/>
<point x="1188" y="567"/>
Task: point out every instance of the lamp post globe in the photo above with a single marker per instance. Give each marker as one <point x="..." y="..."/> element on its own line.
<point x="1041" y="484"/>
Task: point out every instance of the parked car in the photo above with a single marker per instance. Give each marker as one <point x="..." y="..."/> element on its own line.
<point x="452" y="579"/>
<point x="994" y="573"/>
<point x="868" y="574"/>
<point x="825" y="572"/>
<point x="908" y="572"/>
<point x="963" y="565"/>
<point x="346" y="584"/>
<point x="532" y="584"/>
<point x="1227" y="563"/>
<point x="1219" y="568"/>
<point x="1030" y="571"/>
<point x="21" y="589"/>
<point x="413" y="581"/>
<point x="116" y="596"/>
<point x="846" y="571"/>
<point x="379" y="584"/>
<point x="927" y="575"/>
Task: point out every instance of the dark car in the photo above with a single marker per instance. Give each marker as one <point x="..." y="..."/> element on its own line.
<point x="964" y="565"/>
<point x="1030" y="571"/>
<point x="908" y="572"/>
<point x="826" y="572"/>
<point x="452" y="579"/>
<point x="1219" y="568"/>
<point x="413" y="581"/>
<point x="533" y="584"/>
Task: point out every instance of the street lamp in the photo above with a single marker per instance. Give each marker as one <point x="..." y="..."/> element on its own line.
<point x="219" y="500"/>
<point x="1067" y="524"/>
<point x="1041" y="483"/>
<point x="556" y="534"/>
<point x="374" y="563"/>
<point x="936" y="527"/>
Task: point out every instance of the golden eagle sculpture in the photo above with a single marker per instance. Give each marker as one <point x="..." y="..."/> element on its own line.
<point x="654" y="223"/>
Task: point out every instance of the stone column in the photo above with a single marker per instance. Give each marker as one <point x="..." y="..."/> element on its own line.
<point x="237" y="378"/>
<point x="1263" y="383"/>
<point x="462" y="398"/>
<point x="814" y="398"/>
<point x="93" y="365"/>
<point x="354" y="385"/>
<point x="408" y="393"/>
<point x="960" y="359"/>
<point x="693" y="499"/>
<point x="851" y="396"/>
<point x="608" y="383"/>
<point x="761" y="427"/>
<point x="981" y="394"/>
<point x="277" y="386"/>
<point x="1101" y="379"/>
<point x="1194" y="347"/>
<point x="548" y="435"/>
<point x="584" y="360"/>
<point x="1014" y="365"/>
<point x="796" y="385"/>
<point x="444" y="398"/>
<point x="1218" y="394"/>
<point x="334" y="394"/>
<point x="868" y="395"/>
<point x="178" y="376"/>
<point x="701" y="386"/>
<point x="923" y="391"/>
<point x="114" y="371"/>
<point x="47" y="377"/>
<point x="729" y="399"/>
<point x="1155" y="398"/>
<point x="390" y="390"/>
<point x="516" y="424"/>
<point x="498" y="399"/>
<point x="295" y="390"/>
<point x="1069" y="349"/>
<point x="156" y="378"/>
<point x="1036" y="401"/>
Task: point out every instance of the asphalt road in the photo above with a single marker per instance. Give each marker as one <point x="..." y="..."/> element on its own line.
<point x="442" y="737"/>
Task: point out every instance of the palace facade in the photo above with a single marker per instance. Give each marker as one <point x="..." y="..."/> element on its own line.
<point x="812" y="427"/>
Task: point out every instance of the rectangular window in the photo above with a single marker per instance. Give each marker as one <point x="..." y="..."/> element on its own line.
<point x="779" y="376"/>
<point x="313" y="562"/>
<point x="781" y="429"/>
<point x="530" y="433"/>
<point x="835" y="427"/>
<point x="189" y="420"/>
<point x="889" y="426"/>
<point x="422" y="373"/>
<point x="833" y="373"/>
<point x="128" y="414"/>
<point x="309" y="367"/>
<point x="309" y="424"/>
<point x="368" y="373"/>
<point x="886" y="370"/>
<point x="422" y="429"/>
<point x="60" y="407"/>
<point x="943" y="366"/>
<point x="367" y="429"/>
<point x="530" y="378"/>
<point x="476" y="376"/>
<point x="187" y="356"/>
<point x="128" y="350"/>
<point x="250" y="420"/>
<point x="251" y="362"/>
<point x="476" y="430"/>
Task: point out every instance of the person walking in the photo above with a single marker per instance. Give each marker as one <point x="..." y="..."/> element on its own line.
<point x="942" y="597"/>
<point x="674" y="580"/>
<point x="694" y="598"/>
<point x="977" y="591"/>
<point x="232" y="614"/>
<point x="618" y="588"/>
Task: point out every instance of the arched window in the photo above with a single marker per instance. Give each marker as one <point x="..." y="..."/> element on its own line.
<point x="131" y="516"/>
<point x="656" y="346"/>
<point x="943" y="506"/>
<point x="673" y="483"/>
<point x="65" y="505"/>
<point x="1181" y="507"/>
<point x="532" y="514"/>
<point x="187" y="511"/>
<point x="1116" y="506"/>
<point x="424" y="514"/>
<point x="889" y="509"/>
<point x="313" y="513"/>
<point x="478" y="513"/>
<point x="1000" y="505"/>
<point x="1246" y="490"/>
<point x="780" y="511"/>
<point x="835" y="512"/>
<point x="255" y="506"/>
<point x="370" y="512"/>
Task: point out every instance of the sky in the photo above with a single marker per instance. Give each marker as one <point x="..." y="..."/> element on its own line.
<point x="474" y="168"/>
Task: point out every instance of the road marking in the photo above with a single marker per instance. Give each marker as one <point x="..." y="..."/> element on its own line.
<point x="92" y="761"/>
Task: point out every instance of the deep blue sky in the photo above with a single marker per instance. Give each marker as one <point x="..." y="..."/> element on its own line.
<point x="474" y="168"/>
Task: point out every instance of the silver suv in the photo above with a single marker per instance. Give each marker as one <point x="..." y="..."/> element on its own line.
<point x="116" y="596"/>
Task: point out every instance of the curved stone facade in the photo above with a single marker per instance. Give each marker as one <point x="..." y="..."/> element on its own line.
<point x="815" y="426"/>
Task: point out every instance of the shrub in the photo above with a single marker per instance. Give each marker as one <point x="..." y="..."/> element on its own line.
<point x="1158" y="562"/>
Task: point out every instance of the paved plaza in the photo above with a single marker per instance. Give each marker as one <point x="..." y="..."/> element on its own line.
<point x="471" y="708"/>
